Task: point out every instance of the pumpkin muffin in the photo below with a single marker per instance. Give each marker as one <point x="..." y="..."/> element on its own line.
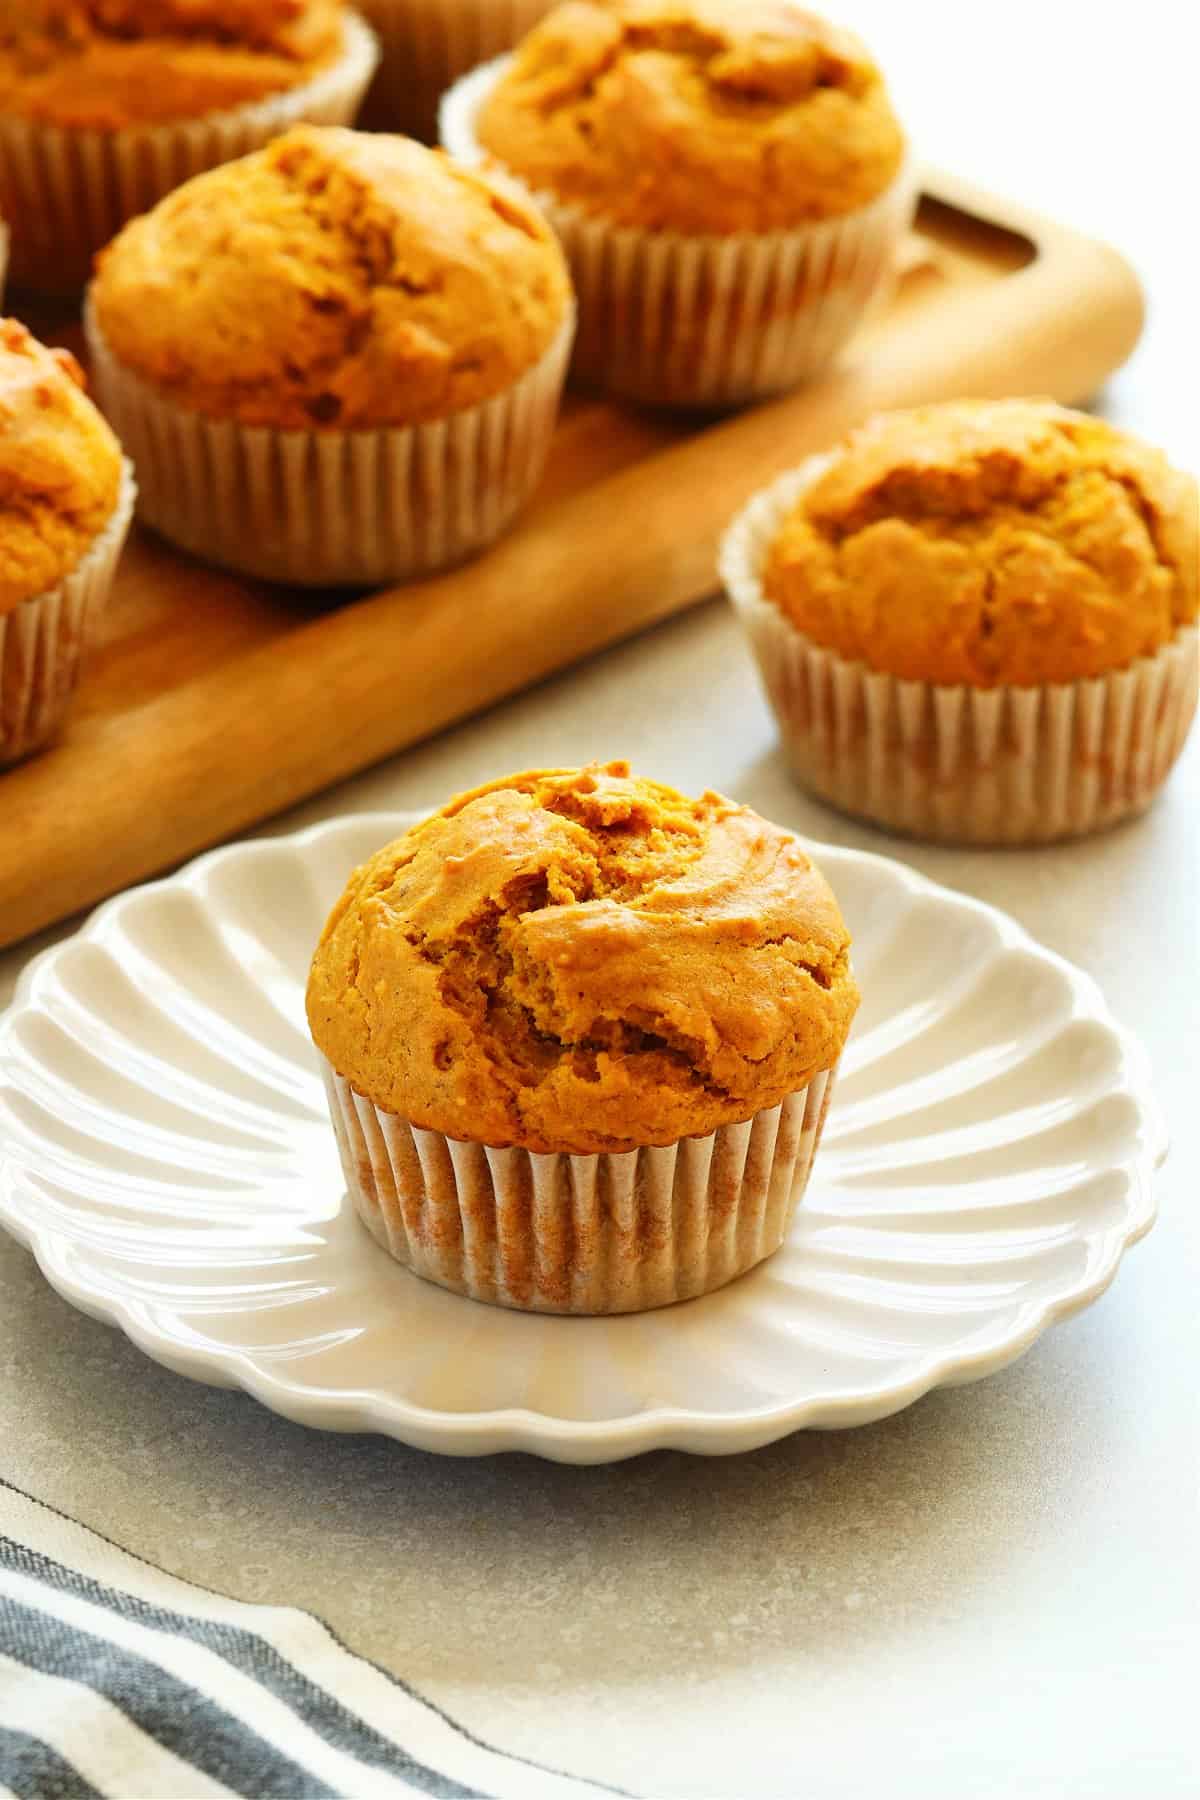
<point x="337" y="360"/>
<point x="728" y="177"/>
<point x="105" y="105"/>
<point x="425" y="45"/>
<point x="579" y="1034"/>
<point x="66" y="495"/>
<point x="977" y="620"/>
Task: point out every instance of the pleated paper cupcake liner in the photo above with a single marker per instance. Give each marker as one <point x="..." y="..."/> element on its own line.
<point x="427" y="44"/>
<point x="68" y="191"/>
<point x="957" y="764"/>
<point x="44" y="642"/>
<point x="333" y="508"/>
<point x="706" y="322"/>
<point x="579" y="1234"/>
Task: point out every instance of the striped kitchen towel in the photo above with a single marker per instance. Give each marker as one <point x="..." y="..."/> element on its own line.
<point x="119" y="1680"/>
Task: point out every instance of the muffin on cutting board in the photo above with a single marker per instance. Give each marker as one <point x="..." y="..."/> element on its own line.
<point x="105" y="105"/>
<point x="66" y="495"/>
<point x="337" y="361"/>
<point x="728" y="178"/>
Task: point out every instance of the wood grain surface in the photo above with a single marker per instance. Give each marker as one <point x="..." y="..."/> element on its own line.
<point x="213" y="702"/>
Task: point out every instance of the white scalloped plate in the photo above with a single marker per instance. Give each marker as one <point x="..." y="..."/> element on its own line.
<point x="165" y="1152"/>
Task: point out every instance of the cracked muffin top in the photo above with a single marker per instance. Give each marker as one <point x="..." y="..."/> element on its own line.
<point x="990" y="542"/>
<point x="333" y="279"/>
<point x="105" y="64"/>
<point x="697" y="116"/>
<point x="579" y="960"/>
<point x="60" y="467"/>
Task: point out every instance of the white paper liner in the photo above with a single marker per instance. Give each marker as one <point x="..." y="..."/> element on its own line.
<point x="579" y="1234"/>
<point x="44" y="641"/>
<point x="333" y="508"/>
<point x="957" y="764"/>
<point x="427" y="44"/>
<point x="68" y="191"/>
<point x="706" y="322"/>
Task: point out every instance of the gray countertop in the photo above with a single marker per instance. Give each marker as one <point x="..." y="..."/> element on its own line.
<point x="994" y="1592"/>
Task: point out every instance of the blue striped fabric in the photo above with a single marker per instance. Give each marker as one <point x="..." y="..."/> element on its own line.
<point x="151" y="1691"/>
<point x="36" y="1772"/>
<point x="118" y="1680"/>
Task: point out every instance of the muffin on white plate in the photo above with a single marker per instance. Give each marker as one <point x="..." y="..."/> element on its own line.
<point x="728" y="177"/>
<point x="579" y="1034"/>
<point x="977" y="621"/>
<point x="105" y="105"/>
<point x="66" y="496"/>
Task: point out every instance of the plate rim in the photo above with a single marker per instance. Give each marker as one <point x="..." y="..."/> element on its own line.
<point x="665" y="1427"/>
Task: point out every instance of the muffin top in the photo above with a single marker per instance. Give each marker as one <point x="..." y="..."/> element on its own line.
<point x="990" y="542"/>
<point x="698" y="116"/>
<point x="579" y="960"/>
<point x="104" y="64"/>
<point x="60" y="467"/>
<point x="333" y="279"/>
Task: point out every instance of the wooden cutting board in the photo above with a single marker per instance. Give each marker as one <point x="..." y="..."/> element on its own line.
<point x="213" y="702"/>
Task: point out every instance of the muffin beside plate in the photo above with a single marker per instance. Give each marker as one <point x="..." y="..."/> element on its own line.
<point x="105" y="105"/>
<point x="728" y="178"/>
<point x="337" y="361"/>
<point x="66" y="496"/>
<point x="579" y="1036"/>
<point x="977" y="621"/>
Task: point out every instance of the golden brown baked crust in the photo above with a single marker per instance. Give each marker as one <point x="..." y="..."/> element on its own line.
<point x="105" y="64"/>
<point x="992" y="542"/>
<point x="333" y="279"/>
<point x="60" y="468"/>
<point x="579" y="960"/>
<point x="697" y="116"/>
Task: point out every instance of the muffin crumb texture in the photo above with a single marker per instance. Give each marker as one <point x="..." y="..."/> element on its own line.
<point x="60" y="468"/>
<point x="583" y="961"/>
<point x="695" y="116"/>
<point x="333" y="280"/>
<point x="107" y="64"/>
<point x="989" y="543"/>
